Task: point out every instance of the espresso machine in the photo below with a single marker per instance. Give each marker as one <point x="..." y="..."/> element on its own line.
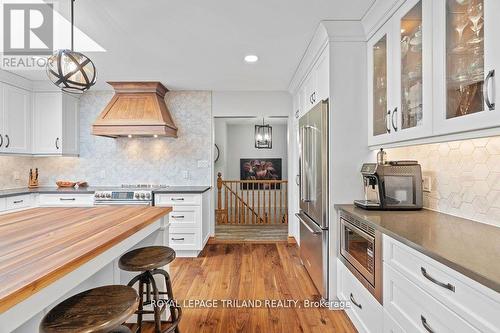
<point x="395" y="185"/>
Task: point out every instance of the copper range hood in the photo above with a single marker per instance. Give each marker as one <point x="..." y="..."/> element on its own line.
<point x="137" y="109"/>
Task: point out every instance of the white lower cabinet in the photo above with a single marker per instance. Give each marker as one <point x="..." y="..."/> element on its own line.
<point x="188" y="221"/>
<point x="390" y="325"/>
<point x="19" y="202"/>
<point x="417" y="311"/>
<point x="3" y="203"/>
<point x="469" y="300"/>
<point x="66" y="200"/>
<point x="365" y="312"/>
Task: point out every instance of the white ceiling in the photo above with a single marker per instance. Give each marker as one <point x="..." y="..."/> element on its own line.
<point x="200" y="44"/>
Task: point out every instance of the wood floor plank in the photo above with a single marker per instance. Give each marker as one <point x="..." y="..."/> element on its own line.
<point x="250" y="271"/>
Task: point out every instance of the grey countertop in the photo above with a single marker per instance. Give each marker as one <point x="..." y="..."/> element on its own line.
<point x="469" y="247"/>
<point x="182" y="189"/>
<point x="53" y="189"/>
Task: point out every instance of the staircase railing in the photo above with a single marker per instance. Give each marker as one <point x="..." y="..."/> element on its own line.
<point x="251" y="201"/>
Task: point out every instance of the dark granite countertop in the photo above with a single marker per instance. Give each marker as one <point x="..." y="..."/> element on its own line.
<point x="182" y="189"/>
<point x="469" y="247"/>
<point x="83" y="190"/>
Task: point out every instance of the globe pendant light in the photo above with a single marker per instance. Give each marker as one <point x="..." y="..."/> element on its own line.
<point x="263" y="136"/>
<point x="69" y="70"/>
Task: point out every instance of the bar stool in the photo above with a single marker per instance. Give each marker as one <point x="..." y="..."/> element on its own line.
<point x="99" y="310"/>
<point x="149" y="261"/>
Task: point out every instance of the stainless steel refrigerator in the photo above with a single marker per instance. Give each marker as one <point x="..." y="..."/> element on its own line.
<point x="313" y="215"/>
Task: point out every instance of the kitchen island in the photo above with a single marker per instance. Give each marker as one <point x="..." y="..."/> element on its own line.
<point x="48" y="254"/>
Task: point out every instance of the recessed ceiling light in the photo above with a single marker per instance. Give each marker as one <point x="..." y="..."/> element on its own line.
<point x="251" y="58"/>
<point x="156" y="135"/>
<point x="130" y="135"/>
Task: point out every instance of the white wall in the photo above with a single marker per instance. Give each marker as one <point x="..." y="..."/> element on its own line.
<point x="241" y="144"/>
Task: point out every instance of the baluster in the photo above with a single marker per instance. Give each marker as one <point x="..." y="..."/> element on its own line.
<point x="281" y="204"/>
<point x="233" y="207"/>
<point x="269" y="202"/>
<point x="226" y="203"/>
<point x="253" y="203"/>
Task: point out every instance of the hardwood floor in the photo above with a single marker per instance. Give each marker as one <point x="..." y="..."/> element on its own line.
<point x="250" y="272"/>
<point x="272" y="232"/>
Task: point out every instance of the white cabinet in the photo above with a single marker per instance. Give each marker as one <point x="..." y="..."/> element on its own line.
<point x="472" y="302"/>
<point x="66" y="200"/>
<point x="188" y="220"/>
<point x="400" y="76"/>
<point x="417" y="311"/>
<point x="364" y="311"/>
<point x="56" y="124"/>
<point x="432" y="72"/>
<point x="467" y="65"/>
<point x="15" y="120"/>
<point x="17" y="202"/>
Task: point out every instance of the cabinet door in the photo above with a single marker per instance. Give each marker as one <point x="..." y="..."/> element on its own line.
<point x="47" y="123"/>
<point x="467" y="52"/>
<point x="2" y="120"/>
<point x="323" y="77"/>
<point x="17" y="120"/>
<point x="380" y="76"/>
<point x="412" y="117"/>
<point x="71" y="128"/>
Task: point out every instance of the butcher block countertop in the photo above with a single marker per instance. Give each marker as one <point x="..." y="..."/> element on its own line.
<point x="38" y="246"/>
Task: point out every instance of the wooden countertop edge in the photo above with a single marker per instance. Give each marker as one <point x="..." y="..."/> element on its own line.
<point x="25" y="292"/>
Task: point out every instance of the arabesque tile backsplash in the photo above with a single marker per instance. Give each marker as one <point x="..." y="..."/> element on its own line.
<point x="465" y="176"/>
<point x="105" y="161"/>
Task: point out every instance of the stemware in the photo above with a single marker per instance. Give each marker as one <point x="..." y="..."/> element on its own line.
<point x="475" y="12"/>
<point x="461" y="23"/>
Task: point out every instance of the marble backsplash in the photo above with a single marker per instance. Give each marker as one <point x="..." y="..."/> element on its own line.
<point x="105" y="161"/>
<point x="465" y="176"/>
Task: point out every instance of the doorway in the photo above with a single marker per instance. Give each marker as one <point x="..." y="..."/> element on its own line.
<point x="251" y="192"/>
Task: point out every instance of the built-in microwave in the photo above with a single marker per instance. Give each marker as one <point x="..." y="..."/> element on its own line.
<point x="361" y="252"/>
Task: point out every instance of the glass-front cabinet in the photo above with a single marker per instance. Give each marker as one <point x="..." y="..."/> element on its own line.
<point x="379" y="83"/>
<point x="467" y="52"/>
<point x="401" y="92"/>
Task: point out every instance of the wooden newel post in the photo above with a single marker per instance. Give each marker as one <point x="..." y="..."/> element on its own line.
<point x="220" y="214"/>
<point x="219" y="191"/>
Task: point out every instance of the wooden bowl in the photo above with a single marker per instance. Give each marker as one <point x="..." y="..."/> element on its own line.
<point x="63" y="183"/>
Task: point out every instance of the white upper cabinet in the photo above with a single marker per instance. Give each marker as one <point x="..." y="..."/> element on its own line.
<point x="400" y="76"/>
<point x="432" y="71"/>
<point x="467" y="58"/>
<point x="316" y="86"/>
<point x="56" y="124"/>
<point x="15" y="120"/>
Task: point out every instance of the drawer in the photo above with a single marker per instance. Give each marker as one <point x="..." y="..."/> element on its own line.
<point x="390" y="325"/>
<point x="184" y="239"/>
<point x="66" y="200"/>
<point x="18" y="202"/>
<point x="185" y="216"/>
<point x="3" y="204"/>
<point x="368" y="313"/>
<point x="172" y="199"/>
<point x="415" y="310"/>
<point x="471" y="301"/>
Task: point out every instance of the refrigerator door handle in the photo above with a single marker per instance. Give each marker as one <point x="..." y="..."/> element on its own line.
<point x="309" y="226"/>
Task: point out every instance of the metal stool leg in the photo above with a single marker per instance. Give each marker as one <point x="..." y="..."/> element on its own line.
<point x="141" y="279"/>
<point x="170" y="293"/>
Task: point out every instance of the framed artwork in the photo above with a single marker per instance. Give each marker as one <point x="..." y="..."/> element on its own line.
<point x="260" y="169"/>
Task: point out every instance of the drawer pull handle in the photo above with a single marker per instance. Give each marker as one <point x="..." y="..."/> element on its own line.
<point x="67" y="199"/>
<point x="178" y="239"/>
<point x="426" y="326"/>
<point x="354" y="302"/>
<point x="448" y="286"/>
<point x="177" y="199"/>
<point x="18" y="201"/>
<point x="178" y="216"/>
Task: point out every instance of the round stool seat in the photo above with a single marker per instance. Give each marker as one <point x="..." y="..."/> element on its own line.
<point x="146" y="258"/>
<point x="100" y="310"/>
